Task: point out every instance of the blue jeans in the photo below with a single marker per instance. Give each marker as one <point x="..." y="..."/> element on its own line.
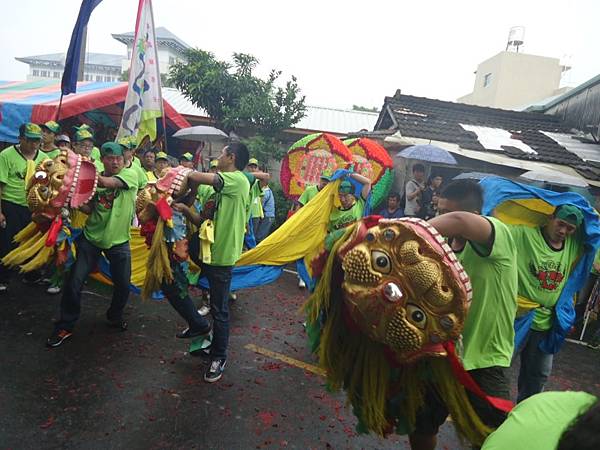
<point x="535" y="366"/>
<point x="119" y="258"/>
<point x="177" y="294"/>
<point x="263" y="229"/>
<point x="219" y="282"/>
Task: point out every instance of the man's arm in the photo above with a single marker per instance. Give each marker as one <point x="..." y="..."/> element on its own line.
<point x="471" y="227"/>
<point x="111" y="183"/>
<point x="188" y="212"/>
<point x="366" y="184"/>
<point x="2" y="216"/>
<point x="411" y="195"/>
<point x="263" y="177"/>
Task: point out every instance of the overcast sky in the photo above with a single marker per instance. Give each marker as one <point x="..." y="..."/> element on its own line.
<point x="343" y="52"/>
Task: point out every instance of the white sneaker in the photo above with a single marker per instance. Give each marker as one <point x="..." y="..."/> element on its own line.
<point x="3" y="288"/>
<point x="53" y="290"/>
<point x="301" y="283"/>
<point x="204" y="310"/>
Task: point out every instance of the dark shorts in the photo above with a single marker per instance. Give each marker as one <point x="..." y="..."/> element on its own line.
<point x="494" y="381"/>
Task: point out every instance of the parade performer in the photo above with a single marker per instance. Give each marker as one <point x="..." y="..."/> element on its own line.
<point x="485" y="248"/>
<point x="107" y="231"/>
<point x="544" y="319"/>
<point x="390" y="302"/>
<point x="17" y="166"/>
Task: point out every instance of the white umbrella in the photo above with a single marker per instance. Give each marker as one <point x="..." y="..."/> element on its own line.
<point x="554" y="177"/>
<point x="201" y="133"/>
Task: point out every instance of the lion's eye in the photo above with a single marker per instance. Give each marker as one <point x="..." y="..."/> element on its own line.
<point x="381" y="262"/>
<point x="416" y="315"/>
<point x="40" y="175"/>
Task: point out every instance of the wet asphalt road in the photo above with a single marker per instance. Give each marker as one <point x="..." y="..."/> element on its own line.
<point x="141" y="389"/>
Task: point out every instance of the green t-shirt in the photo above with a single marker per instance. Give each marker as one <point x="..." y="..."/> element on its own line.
<point x="231" y="217"/>
<point x="543" y="271"/>
<point x="140" y="173"/>
<point x="13" y="168"/>
<point x="51" y="154"/>
<point x="538" y="422"/>
<point x="110" y="221"/>
<point x="309" y="193"/>
<point x="95" y="154"/>
<point x="204" y="193"/>
<point x="488" y="334"/>
<point x="596" y="262"/>
<point x="341" y="218"/>
<point x="256" y="193"/>
<point x="99" y="165"/>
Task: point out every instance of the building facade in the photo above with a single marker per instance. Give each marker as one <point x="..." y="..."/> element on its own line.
<point x="106" y="67"/>
<point x="511" y="80"/>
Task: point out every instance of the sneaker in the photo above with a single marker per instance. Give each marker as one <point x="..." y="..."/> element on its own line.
<point x="53" y="290"/>
<point x="204" y="310"/>
<point x="118" y="323"/>
<point x="57" y="338"/>
<point x="215" y="371"/>
<point x="188" y="333"/>
<point x="301" y="283"/>
<point x="3" y="288"/>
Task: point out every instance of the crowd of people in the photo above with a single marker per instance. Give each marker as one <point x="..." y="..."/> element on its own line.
<point x="513" y="269"/>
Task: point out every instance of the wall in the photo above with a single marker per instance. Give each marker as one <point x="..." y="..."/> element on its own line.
<point x="517" y="79"/>
<point x="165" y="55"/>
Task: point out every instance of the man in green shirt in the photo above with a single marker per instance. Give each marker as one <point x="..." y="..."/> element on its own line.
<point x="351" y="208"/>
<point x="17" y="165"/>
<point x="485" y="248"/>
<point x="49" y="132"/>
<point x="84" y="145"/>
<point x="232" y="203"/>
<point x="107" y="231"/>
<point x="548" y="421"/>
<point x="546" y="257"/>
<point x="187" y="160"/>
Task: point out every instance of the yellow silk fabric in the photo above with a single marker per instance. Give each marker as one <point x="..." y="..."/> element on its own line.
<point x="300" y="236"/>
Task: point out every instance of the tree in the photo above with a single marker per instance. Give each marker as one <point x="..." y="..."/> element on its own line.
<point x="237" y="99"/>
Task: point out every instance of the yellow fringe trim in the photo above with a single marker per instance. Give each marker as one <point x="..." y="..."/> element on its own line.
<point x="319" y="299"/>
<point x="158" y="267"/>
<point x="26" y="233"/>
<point x="41" y="259"/>
<point x="25" y="250"/>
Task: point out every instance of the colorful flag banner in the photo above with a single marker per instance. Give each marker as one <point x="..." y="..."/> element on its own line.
<point x="143" y="104"/>
<point x="69" y="78"/>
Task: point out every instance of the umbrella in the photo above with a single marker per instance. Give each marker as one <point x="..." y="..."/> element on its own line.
<point x="201" y="133"/>
<point x="429" y="153"/>
<point x="472" y="176"/>
<point x="554" y="177"/>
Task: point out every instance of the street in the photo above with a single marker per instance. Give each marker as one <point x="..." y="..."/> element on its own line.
<point x="140" y="389"/>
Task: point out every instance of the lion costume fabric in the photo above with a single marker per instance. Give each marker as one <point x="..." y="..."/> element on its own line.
<point x="58" y="186"/>
<point x="390" y="302"/>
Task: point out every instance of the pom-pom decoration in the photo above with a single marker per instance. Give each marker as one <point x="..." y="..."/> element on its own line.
<point x="308" y="158"/>
<point x="373" y="161"/>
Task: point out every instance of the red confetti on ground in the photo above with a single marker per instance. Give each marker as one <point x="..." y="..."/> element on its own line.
<point x="270" y="366"/>
<point x="266" y="417"/>
<point x="48" y="423"/>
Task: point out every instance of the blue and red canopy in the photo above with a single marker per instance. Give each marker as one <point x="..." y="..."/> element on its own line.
<point x="37" y="101"/>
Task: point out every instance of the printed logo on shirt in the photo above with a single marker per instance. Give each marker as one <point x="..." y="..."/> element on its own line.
<point x="107" y="198"/>
<point x="548" y="274"/>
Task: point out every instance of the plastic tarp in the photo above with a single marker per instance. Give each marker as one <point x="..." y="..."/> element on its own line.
<point x="37" y="101"/>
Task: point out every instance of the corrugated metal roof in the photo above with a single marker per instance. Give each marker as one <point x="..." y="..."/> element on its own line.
<point x="317" y="118"/>
<point x="100" y="59"/>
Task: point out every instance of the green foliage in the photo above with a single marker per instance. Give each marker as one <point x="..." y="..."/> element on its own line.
<point x="282" y="204"/>
<point x="265" y="148"/>
<point x="235" y="97"/>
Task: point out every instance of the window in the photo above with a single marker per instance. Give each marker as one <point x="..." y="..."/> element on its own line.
<point x="172" y="60"/>
<point x="487" y="79"/>
<point x="36" y="73"/>
<point x="98" y="77"/>
<point x="44" y="73"/>
<point x="56" y="74"/>
<point x="86" y="77"/>
<point x="108" y="79"/>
